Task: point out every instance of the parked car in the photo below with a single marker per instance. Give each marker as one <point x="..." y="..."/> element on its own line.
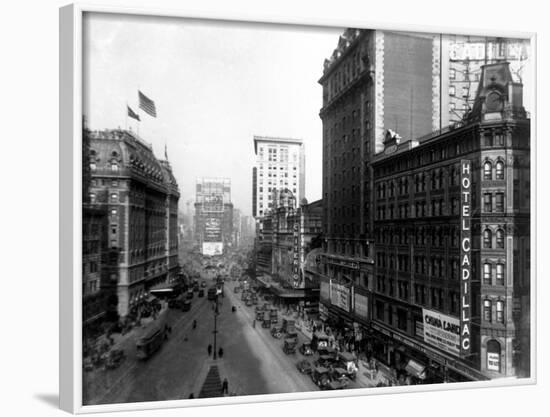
<point x="276" y="332"/>
<point x="348" y="362"/>
<point x="289" y="345"/>
<point x="320" y="376"/>
<point x="306" y="349"/>
<point x="201" y="293"/>
<point x="304" y="366"/>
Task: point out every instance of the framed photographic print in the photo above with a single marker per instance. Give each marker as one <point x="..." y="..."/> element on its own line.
<point x="256" y="210"/>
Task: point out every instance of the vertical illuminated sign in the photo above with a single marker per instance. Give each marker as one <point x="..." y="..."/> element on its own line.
<point x="296" y="253"/>
<point x="465" y="256"/>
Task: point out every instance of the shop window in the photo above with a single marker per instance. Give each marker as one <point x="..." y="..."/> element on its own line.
<point x="487" y="239"/>
<point x="487" y="307"/>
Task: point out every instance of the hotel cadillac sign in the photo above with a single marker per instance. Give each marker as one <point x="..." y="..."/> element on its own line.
<point x="465" y="256"/>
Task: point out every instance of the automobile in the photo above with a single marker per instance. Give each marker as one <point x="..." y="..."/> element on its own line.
<point x="289" y="345"/>
<point x="259" y="314"/>
<point x="176" y="302"/>
<point x="273" y="315"/>
<point x="304" y="366"/>
<point x="203" y="284"/>
<point x="186" y="306"/>
<point x="115" y="358"/>
<point x="320" y="376"/>
<point x="348" y="363"/>
<point x="319" y="342"/>
<point x="337" y="384"/>
<point x="288" y="326"/>
<point x="190" y="295"/>
<point x="236" y="290"/>
<point x="266" y="323"/>
<point x="326" y="360"/>
<point x="248" y="302"/>
<point x="276" y="332"/>
<point x="201" y="293"/>
<point x="306" y="349"/>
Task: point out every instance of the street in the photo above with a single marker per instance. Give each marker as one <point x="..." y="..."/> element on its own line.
<point x="253" y="361"/>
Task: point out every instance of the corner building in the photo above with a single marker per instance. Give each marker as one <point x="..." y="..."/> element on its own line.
<point x="419" y="238"/>
<point x="139" y="195"/>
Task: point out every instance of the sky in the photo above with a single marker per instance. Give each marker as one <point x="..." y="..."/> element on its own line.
<point x="215" y="85"/>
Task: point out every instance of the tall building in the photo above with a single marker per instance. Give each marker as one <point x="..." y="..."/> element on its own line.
<point x="213" y="215"/>
<point x="280" y="165"/>
<point x="452" y="242"/>
<point x="139" y="196"/>
<point x="373" y="80"/>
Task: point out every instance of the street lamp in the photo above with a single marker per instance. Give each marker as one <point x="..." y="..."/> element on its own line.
<point x="215" y="307"/>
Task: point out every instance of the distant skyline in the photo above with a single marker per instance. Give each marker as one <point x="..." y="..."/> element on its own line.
<point x="215" y="84"/>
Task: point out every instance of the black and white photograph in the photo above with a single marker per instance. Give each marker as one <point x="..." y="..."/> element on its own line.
<point x="272" y="209"/>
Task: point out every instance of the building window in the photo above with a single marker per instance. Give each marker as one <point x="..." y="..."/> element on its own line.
<point x="465" y="91"/>
<point x="500" y="239"/>
<point x="500" y="274"/>
<point x="487" y="274"/>
<point x="487" y="203"/>
<point x="452" y="90"/>
<point x="114" y="183"/>
<point x="452" y="74"/>
<point x="500" y="170"/>
<point x="92" y="198"/>
<point x="499" y="202"/>
<point x="93" y="166"/>
<point x="114" y="166"/>
<point x="487" y="171"/>
<point x="114" y="197"/>
<point x="487" y="306"/>
<point x="113" y="212"/>
<point x="500" y="311"/>
<point x="493" y="355"/>
<point x="487" y="239"/>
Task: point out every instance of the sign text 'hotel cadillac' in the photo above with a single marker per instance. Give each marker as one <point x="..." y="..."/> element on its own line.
<point x="465" y="256"/>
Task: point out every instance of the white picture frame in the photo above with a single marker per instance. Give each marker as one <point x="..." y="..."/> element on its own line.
<point x="71" y="19"/>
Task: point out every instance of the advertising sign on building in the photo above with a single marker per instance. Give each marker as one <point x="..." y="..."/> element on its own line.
<point x="465" y="256"/>
<point x="493" y="361"/>
<point x="361" y="305"/>
<point x="441" y="331"/>
<point x="324" y="291"/>
<point x="323" y="311"/>
<point x="296" y="256"/>
<point x="212" y="248"/>
<point x="340" y="296"/>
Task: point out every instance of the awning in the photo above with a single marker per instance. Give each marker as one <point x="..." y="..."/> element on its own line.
<point x="416" y="369"/>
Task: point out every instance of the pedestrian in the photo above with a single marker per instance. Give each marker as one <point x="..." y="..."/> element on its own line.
<point x="253" y="323"/>
<point x="209" y="350"/>
<point x="194" y="324"/>
<point x="225" y="386"/>
<point x="191" y="396"/>
<point x="220" y="352"/>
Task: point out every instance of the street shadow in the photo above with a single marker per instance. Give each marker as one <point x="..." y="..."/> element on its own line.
<point x="50" y="399"/>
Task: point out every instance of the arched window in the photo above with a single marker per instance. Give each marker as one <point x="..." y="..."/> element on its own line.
<point x="487" y="273"/>
<point x="487" y="171"/>
<point x="500" y="311"/>
<point x="500" y="274"/>
<point x="93" y="166"/>
<point x="487" y="239"/>
<point x="493" y="355"/>
<point x="500" y="239"/>
<point x="500" y="170"/>
<point x="114" y="166"/>
<point x="487" y="307"/>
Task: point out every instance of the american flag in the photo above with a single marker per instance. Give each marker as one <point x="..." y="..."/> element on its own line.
<point x="147" y="105"/>
<point x="132" y="114"/>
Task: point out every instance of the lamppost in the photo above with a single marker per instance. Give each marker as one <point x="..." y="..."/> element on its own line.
<point x="216" y="313"/>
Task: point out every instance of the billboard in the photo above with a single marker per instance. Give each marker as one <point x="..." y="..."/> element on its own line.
<point x="340" y="296"/>
<point x="212" y="229"/>
<point x="441" y="331"/>
<point x="361" y="305"/>
<point x="212" y="248"/>
<point x="465" y="256"/>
